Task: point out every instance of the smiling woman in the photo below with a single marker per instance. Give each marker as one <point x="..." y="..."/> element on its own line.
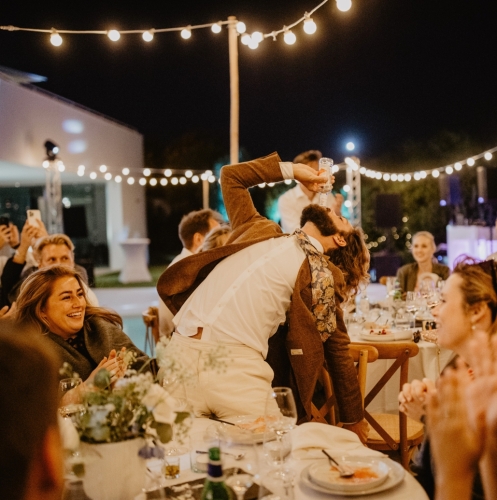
<point x="53" y="301"/>
<point x="423" y="248"/>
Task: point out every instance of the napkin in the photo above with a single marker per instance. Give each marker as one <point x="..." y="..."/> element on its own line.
<point x="310" y="438"/>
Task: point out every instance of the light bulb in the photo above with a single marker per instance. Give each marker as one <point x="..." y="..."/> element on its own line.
<point x="246" y="38"/>
<point x="211" y="179"/>
<point x="81" y="173"/>
<point x="393" y="177"/>
<point x="386" y="177"/>
<point x="55" y="39"/>
<point x="174" y="181"/>
<point x="449" y="170"/>
<point x="422" y="174"/>
<point x="417" y="176"/>
<point x="344" y="5"/>
<point x="457" y="166"/>
<point x="257" y="36"/>
<point x="407" y="177"/>
<point x="142" y="181"/>
<point x="153" y="181"/>
<point x="114" y="35"/>
<point x="61" y="167"/>
<point x="216" y="27"/>
<point x="400" y="177"/>
<point x="146" y="172"/>
<point x="46" y="164"/>
<point x="163" y="182"/>
<point x="186" y="33"/>
<point x="148" y="36"/>
<point x="470" y="162"/>
<point x="125" y="171"/>
<point x="118" y="178"/>
<point x="130" y="181"/>
<point x="240" y="27"/>
<point x="378" y="175"/>
<point x="168" y="172"/>
<point x="488" y="156"/>
<point x="195" y="179"/>
<point x="103" y="168"/>
<point x="188" y="174"/>
<point x="253" y="44"/>
<point x="93" y="175"/>
<point x="289" y="37"/>
<point x="182" y="180"/>
<point x="310" y="26"/>
<point x="435" y="173"/>
<point x="108" y="176"/>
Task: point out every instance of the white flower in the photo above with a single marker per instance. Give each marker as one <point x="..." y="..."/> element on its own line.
<point x="160" y="404"/>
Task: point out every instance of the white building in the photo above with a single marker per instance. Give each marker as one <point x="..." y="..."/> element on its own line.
<point x="30" y="116"/>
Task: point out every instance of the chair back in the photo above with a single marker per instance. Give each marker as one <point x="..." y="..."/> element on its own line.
<point x="326" y="413"/>
<point x="393" y="431"/>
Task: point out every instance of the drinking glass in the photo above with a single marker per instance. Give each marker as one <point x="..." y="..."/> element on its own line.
<point x="72" y="407"/>
<point x="280" y="418"/>
<point x="240" y="460"/>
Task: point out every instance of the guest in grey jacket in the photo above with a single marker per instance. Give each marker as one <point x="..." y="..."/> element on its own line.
<point x="53" y="301"/>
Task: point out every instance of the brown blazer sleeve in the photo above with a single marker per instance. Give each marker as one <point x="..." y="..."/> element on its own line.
<point x="235" y="181"/>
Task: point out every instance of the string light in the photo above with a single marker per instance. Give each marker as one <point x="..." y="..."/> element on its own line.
<point x="118" y="178"/>
<point x="488" y="156"/>
<point x="289" y="37"/>
<point x="148" y="35"/>
<point x="93" y="175"/>
<point x="216" y="27"/>
<point x="182" y="180"/>
<point x="168" y="172"/>
<point x="470" y="162"/>
<point x="246" y="39"/>
<point x="344" y="5"/>
<point x="130" y="181"/>
<point x="186" y="33"/>
<point x="146" y="172"/>
<point x="142" y="181"/>
<point x="174" y="181"/>
<point x="163" y="182"/>
<point x="257" y="36"/>
<point x="125" y="171"/>
<point x="188" y="174"/>
<point x="108" y="176"/>
<point x="153" y="181"/>
<point x="309" y="25"/>
<point x="55" y="38"/>
<point x="114" y="35"/>
<point x="195" y="179"/>
<point x="103" y="168"/>
<point x="241" y="27"/>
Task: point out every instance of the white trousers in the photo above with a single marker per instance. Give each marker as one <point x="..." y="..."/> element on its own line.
<point x="241" y="388"/>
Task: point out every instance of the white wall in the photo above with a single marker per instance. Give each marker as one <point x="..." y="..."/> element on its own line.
<point x="28" y="118"/>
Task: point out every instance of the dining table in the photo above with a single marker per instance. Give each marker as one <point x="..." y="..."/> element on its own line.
<point x="307" y="441"/>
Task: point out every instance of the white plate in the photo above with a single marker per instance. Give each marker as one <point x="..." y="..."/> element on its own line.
<point x="327" y="476"/>
<point x="371" y="337"/>
<point x="395" y="477"/>
<point x="404" y="334"/>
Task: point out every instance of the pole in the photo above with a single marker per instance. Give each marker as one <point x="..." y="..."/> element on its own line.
<point x="234" y="90"/>
<point x="205" y="194"/>
<point x="53" y="199"/>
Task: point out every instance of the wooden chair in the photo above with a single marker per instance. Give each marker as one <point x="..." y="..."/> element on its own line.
<point x="393" y="432"/>
<point x="362" y="356"/>
<point x="151" y="320"/>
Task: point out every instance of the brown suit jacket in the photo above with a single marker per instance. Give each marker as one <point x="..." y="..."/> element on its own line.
<point x="299" y="336"/>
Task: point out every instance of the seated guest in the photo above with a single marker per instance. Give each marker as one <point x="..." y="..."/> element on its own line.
<point x="292" y="202"/>
<point x="192" y="231"/>
<point x="462" y="418"/>
<point x="239" y="294"/>
<point x="469" y="303"/>
<point x="193" y="228"/>
<point x="31" y="460"/>
<point x="53" y="302"/>
<point x="423" y="248"/>
<point x="47" y="251"/>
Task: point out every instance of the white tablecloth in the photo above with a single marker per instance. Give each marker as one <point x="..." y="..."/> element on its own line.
<point x="409" y="489"/>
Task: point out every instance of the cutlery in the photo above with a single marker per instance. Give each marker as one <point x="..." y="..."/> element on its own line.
<point x="344" y="471"/>
<point x="222" y="421"/>
<point x="236" y="456"/>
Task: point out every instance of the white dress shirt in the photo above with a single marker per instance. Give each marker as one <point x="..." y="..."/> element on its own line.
<point x="291" y="204"/>
<point x="245" y="297"/>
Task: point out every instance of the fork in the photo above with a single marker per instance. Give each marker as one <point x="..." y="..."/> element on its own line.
<point x="344" y="471"/>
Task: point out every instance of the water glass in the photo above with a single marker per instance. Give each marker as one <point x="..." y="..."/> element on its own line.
<point x="404" y="320"/>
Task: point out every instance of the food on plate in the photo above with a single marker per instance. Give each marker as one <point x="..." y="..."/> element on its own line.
<point x="362" y="475"/>
<point x="256" y="426"/>
<point x="379" y="331"/>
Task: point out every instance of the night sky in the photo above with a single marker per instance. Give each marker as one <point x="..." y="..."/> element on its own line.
<point x="386" y="72"/>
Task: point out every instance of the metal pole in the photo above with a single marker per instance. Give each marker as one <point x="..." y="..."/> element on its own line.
<point x="234" y="90"/>
<point x="53" y="199"/>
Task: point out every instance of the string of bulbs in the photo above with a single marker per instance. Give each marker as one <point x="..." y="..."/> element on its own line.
<point x="252" y="41"/>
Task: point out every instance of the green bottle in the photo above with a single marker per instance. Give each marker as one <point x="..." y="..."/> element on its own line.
<point x="214" y="487"/>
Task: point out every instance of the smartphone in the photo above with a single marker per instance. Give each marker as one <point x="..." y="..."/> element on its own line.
<point x="33" y="217"/>
<point x="4" y="220"/>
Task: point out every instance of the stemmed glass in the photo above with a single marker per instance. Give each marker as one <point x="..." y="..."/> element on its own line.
<point x="240" y="459"/>
<point x="280" y="418"/>
<point x="72" y="407"/>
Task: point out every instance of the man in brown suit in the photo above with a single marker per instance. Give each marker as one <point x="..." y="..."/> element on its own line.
<point x="297" y="351"/>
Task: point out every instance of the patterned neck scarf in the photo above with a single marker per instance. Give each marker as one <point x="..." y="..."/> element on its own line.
<point x="323" y="288"/>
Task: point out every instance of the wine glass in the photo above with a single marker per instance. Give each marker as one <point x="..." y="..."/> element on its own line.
<point x="72" y="407"/>
<point x="240" y="459"/>
<point x="280" y="418"/>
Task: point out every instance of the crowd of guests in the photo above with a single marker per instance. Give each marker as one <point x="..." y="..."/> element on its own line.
<point x="274" y="298"/>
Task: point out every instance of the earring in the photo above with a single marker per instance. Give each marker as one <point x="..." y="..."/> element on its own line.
<point x="473" y="327"/>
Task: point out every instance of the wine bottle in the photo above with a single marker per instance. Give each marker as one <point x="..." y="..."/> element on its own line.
<point x="214" y="487"/>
